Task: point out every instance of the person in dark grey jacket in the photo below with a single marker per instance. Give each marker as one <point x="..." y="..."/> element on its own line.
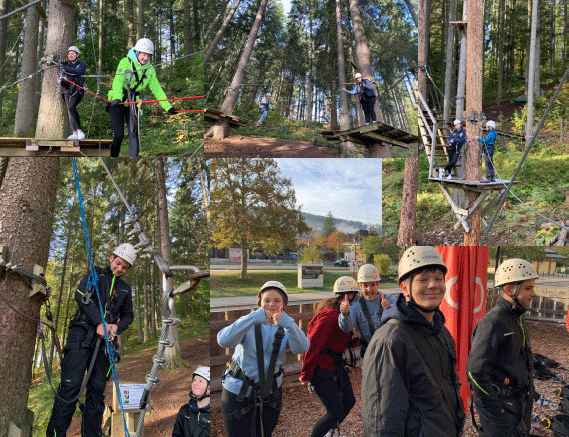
<point x="410" y="387"/>
<point x="500" y="362"/>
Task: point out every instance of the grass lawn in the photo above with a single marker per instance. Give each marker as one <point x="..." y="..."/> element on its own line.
<point x="227" y="283"/>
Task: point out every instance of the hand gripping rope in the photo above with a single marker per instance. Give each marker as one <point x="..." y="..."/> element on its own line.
<point x="93" y="281"/>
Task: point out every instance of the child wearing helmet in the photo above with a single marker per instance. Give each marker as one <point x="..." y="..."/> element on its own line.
<point x="264" y="106"/>
<point x="134" y="73"/>
<point x="364" y="89"/>
<point x="323" y="365"/>
<point x="455" y="142"/>
<point x="73" y="70"/>
<point x="193" y="419"/>
<point x="252" y="381"/>
<point x="500" y="362"/>
<point x="410" y="386"/>
<point x="86" y="344"/>
<point x="488" y="151"/>
<point x="365" y="313"/>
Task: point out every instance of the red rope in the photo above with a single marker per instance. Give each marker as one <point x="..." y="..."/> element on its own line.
<point x="141" y="101"/>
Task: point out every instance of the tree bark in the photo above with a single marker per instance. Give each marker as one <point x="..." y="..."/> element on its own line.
<point x="423" y="52"/>
<point x="532" y="70"/>
<point x="220" y="32"/>
<point x="171" y="353"/>
<point x="474" y="79"/>
<point x="4" y="8"/>
<point x="461" y="82"/>
<point x="130" y="16"/>
<point x="449" y="62"/>
<point x="213" y="22"/>
<point x="26" y="108"/>
<point x="187" y="29"/>
<point x="500" y="34"/>
<point x="309" y="84"/>
<point x="407" y="224"/>
<point x="221" y="130"/>
<point x="362" y="52"/>
<point x="172" y="32"/>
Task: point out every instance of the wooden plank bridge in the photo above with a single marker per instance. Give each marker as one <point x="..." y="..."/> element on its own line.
<point x="54" y="147"/>
<point x="373" y="134"/>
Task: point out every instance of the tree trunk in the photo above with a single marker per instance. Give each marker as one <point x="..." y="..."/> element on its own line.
<point x="449" y="62"/>
<point x="221" y="130"/>
<point x="130" y="16"/>
<point x="212" y="24"/>
<point x="172" y="32"/>
<point x="187" y="29"/>
<point x="564" y="54"/>
<point x="39" y="54"/>
<point x="101" y="36"/>
<point x="310" y="84"/>
<point x="362" y="52"/>
<point x="26" y="108"/>
<point x="140" y="284"/>
<point x="4" y="8"/>
<point x="552" y="36"/>
<point x="411" y="9"/>
<point x="146" y="313"/>
<point x="532" y="70"/>
<point x="407" y="227"/>
<point x="474" y="79"/>
<point x="244" y="259"/>
<point x="500" y="34"/>
<point x="423" y="46"/>
<point x="461" y="82"/>
<point x="171" y="353"/>
<point x="333" y="107"/>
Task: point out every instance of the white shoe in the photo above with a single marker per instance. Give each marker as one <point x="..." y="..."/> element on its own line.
<point x="80" y="135"/>
<point x="449" y="177"/>
<point x="72" y="137"/>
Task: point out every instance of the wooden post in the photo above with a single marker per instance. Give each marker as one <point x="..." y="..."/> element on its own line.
<point x="474" y="83"/>
<point x="131" y="416"/>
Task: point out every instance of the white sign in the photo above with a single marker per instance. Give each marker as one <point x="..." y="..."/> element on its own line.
<point x="131" y="395"/>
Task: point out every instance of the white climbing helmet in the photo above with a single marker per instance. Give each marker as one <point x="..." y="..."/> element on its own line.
<point x="203" y="372"/>
<point x="127" y="252"/>
<point x="514" y="270"/>
<point x="268" y="95"/>
<point x="74" y="49"/>
<point x="358" y="75"/>
<point x="276" y="285"/>
<point x="368" y="273"/>
<point x="144" y="45"/>
<point x="457" y="121"/>
<point x="417" y="257"/>
<point x="345" y="284"/>
<point x="491" y="124"/>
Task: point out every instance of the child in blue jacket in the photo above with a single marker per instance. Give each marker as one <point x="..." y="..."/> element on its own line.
<point x="488" y="151"/>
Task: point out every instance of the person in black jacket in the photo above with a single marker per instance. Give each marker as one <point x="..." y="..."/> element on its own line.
<point x="86" y="343"/>
<point x="73" y="70"/>
<point x="410" y="387"/>
<point x="364" y="90"/>
<point x="500" y="363"/>
<point x="194" y="417"/>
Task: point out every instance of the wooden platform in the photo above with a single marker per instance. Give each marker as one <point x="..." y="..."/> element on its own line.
<point x="473" y="185"/>
<point x="373" y="134"/>
<point x="54" y="147"/>
<point x="216" y="115"/>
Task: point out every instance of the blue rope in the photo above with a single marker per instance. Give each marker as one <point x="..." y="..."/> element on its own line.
<point x="93" y="281"/>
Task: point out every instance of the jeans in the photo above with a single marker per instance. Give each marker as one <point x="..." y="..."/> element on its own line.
<point x="264" y="112"/>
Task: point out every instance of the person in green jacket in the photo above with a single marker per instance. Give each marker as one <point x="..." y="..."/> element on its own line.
<point x="134" y="73"/>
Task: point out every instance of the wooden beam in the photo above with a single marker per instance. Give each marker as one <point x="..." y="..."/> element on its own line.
<point x="387" y="140"/>
<point x="455" y="209"/>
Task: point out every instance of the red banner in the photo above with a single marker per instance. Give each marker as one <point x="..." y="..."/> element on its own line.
<point x="465" y="300"/>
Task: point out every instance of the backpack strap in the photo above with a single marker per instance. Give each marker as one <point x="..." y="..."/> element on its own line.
<point x="266" y="382"/>
<point x="367" y="315"/>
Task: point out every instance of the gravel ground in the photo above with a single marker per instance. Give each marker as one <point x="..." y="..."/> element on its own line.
<point x="302" y="409"/>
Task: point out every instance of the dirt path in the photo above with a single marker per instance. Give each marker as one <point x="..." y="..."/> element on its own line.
<point x="301" y="409"/>
<point x="168" y="396"/>
<point x="238" y="146"/>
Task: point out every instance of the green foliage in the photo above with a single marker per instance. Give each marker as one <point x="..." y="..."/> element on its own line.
<point x="371" y="245"/>
<point x="329" y="225"/>
<point x="311" y="254"/>
<point x="383" y="263"/>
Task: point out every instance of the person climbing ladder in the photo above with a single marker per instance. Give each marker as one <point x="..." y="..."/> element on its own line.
<point x="85" y="346"/>
<point x="134" y="73"/>
<point x="73" y="70"/>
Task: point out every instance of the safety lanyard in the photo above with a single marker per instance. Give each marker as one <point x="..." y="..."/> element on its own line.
<point x="111" y="294"/>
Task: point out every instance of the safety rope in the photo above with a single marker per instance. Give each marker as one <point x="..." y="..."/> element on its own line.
<point x="93" y="281"/>
<point x="526" y="152"/>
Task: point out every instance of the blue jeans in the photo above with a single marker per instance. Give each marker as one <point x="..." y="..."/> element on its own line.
<point x="264" y="112"/>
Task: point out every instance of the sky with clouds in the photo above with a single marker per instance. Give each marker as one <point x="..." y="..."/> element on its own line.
<point x="349" y="188"/>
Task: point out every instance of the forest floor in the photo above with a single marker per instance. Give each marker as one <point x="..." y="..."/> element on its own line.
<point x="237" y="146"/>
<point x="301" y="410"/>
<point x="166" y="397"/>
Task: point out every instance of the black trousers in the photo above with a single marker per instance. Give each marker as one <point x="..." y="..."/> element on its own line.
<point x="239" y="416"/>
<point x="502" y="417"/>
<point x="72" y="103"/>
<point x="453" y="154"/>
<point x="489" y="158"/>
<point x="120" y="115"/>
<point x="369" y="111"/>
<point x="73" y="366"/>
<point x="335" y="391"/>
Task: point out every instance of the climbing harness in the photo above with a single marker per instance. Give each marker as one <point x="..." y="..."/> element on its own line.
<point x="93" y="281"/>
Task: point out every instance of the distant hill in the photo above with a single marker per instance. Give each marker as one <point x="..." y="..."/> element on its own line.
<point x="316" y="222"/>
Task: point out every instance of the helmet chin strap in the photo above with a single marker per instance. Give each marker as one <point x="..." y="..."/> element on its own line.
<point x="412" y="302"/>
<point x="516" y="294"/>
<point x="199" y="398"/>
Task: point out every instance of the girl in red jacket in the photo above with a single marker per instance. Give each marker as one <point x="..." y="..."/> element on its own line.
<point x="323" y="365"/>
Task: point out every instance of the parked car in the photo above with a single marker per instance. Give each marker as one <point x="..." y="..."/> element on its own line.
<point x="358" y="263"/>
<point x="341" y="263"/>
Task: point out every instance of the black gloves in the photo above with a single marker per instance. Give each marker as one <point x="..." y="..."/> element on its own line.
<point x="172" y="111"/>
<point x="115" y="102"/>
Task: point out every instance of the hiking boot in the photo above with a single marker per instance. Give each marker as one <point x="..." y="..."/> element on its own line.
<point x="80" y="135"/>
